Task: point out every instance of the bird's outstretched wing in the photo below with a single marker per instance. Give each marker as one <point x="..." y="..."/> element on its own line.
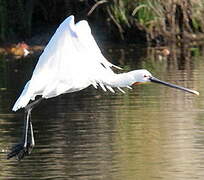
<point x="86" y="39"/>
<point x="70" y="62"/>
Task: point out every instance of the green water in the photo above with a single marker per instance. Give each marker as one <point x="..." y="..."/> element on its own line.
<point x="151" y="132"/>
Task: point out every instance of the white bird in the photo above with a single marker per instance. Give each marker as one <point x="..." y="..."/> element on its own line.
<point x="71" y="62"/>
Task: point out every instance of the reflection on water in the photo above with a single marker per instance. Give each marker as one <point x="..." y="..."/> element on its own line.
<point x="151" y="132"/>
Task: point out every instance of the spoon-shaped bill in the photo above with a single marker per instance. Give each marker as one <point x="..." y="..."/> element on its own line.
<point x="155" y="80"/>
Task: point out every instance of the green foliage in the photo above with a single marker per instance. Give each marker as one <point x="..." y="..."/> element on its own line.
<point x="15" y="17"/>
<point x="147" y="11"/>
<point x="197" y="15"/>
<point x="18" y="17"/>
<point x="3" y="19"/>
<point x="120" y="12"/>
<point x="127" y="13"/>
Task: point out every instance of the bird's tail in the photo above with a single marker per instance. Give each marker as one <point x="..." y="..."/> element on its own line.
<point x="23" y="100"/>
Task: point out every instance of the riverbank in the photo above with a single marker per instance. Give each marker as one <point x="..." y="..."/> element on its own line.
<point x="143" y="21"/>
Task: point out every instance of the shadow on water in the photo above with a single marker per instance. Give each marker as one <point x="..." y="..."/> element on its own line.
<point x="151" y="132"/>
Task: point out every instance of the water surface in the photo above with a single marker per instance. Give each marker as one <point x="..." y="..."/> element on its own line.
<point x="151" y="132"/>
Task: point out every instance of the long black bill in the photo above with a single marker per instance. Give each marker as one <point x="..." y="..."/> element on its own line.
<point x="155" y="80"/>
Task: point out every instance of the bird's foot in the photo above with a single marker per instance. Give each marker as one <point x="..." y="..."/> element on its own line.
<point x="19" y="151"/>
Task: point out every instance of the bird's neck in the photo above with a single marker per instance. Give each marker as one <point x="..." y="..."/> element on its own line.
<point x="120" y="80"/>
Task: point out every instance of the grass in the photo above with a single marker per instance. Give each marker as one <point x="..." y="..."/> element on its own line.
<point x="156" y="18"/>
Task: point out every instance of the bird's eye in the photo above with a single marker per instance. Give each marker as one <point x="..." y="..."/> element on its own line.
<point x="145" y="76"/>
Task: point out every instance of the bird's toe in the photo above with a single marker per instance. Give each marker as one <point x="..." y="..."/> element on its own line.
<point x="19" y="151"/>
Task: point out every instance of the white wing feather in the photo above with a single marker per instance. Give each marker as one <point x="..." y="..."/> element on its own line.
<point x="84" y="32"/>
<point x="70" y="62"/>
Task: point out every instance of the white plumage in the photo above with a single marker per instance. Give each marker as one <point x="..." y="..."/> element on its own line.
<point x="70" y="62"/>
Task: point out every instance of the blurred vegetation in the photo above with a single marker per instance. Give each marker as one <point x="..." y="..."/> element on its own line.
<point x="169" y="20"/>
<point x="158" y="20"/>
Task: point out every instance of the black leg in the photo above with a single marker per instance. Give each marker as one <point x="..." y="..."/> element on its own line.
<point x="21" y="149"/>
<point x="25" y="147"/>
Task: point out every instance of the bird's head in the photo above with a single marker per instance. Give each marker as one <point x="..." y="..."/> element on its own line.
<point x="143" y="76"/>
